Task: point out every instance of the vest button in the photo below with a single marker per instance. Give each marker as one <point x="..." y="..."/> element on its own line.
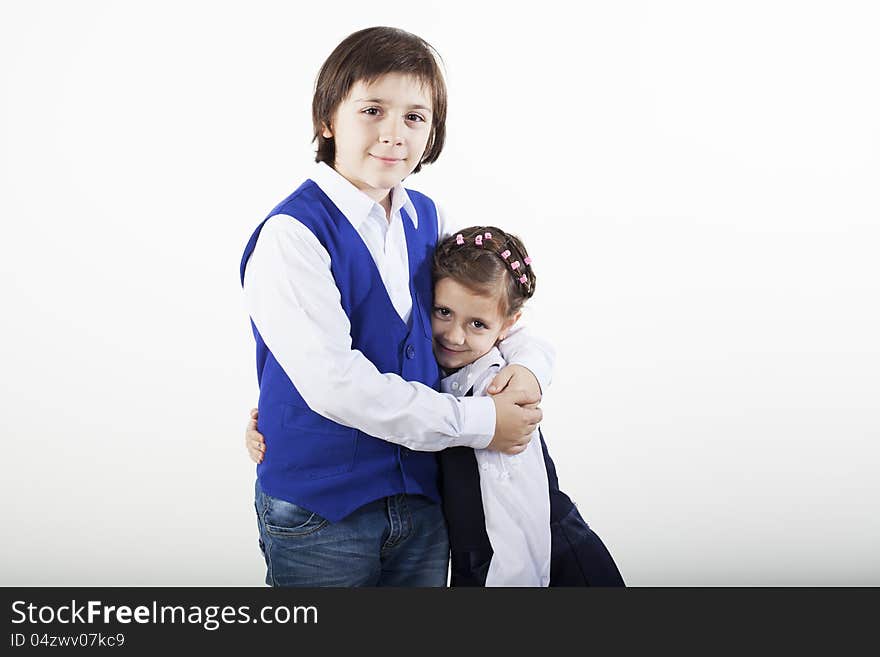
<point x="410" y="351"/>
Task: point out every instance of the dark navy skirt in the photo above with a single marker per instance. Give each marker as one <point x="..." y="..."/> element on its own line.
<point x="577" y="557"/>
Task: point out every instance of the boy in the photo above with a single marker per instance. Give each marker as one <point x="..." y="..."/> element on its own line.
<point x="337" y="283"/>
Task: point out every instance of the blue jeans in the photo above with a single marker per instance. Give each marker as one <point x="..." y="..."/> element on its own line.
<point x="394" y="541"/>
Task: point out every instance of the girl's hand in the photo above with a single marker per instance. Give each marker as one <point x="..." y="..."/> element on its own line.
<point x="253" y="439"/>
<point x="517" y="377"/>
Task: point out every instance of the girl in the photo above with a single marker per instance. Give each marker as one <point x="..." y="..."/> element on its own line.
<point x="504" y="527"/>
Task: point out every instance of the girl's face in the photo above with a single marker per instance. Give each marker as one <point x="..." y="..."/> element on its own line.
<point x="465" y="325"/>
<point x="380" y="132"/>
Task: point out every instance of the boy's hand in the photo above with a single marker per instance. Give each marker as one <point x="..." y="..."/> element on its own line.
<point x="253" y="439"/>
<point x="516" y="377"/>
<point x="516" y="417"/>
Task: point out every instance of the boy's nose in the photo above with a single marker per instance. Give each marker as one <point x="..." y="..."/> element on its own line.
<point x="393" y="140"/>
<point x="391" y="132"/>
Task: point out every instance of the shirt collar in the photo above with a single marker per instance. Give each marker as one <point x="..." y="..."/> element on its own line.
<point x="458" y="383"/>
<point x="353" y="203"/>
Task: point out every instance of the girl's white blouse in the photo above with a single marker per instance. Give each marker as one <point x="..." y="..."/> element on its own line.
<point x="515" y="493"/>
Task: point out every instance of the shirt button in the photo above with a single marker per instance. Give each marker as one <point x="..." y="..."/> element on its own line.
<point x="485" y="466"/>
<point x="410" y="351"/>
<point x="455" y="386"/>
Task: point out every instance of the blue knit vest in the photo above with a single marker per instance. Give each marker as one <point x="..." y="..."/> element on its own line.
<point x="325" y="467"/>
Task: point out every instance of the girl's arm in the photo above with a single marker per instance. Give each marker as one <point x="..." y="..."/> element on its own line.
<point x="293" y="301"/>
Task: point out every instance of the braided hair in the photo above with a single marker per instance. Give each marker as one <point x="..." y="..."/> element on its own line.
<point x="485" y="258"/>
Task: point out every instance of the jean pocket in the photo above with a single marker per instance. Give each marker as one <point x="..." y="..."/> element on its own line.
<point x="283" y="518"/>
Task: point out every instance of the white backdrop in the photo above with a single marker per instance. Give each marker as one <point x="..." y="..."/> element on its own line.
<point x="698" y="184"/>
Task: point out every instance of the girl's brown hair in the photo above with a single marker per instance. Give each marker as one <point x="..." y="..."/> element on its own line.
<point x="366" y="56"/>
<point x="487" y="260"/>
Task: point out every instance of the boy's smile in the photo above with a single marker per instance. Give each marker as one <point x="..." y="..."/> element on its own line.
<point x="380" y="132"/>
<point x="465" y="325"/>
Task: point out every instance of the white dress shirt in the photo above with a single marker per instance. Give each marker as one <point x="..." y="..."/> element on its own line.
<point x="293" y="301"/>
<point x="515" y="493"/>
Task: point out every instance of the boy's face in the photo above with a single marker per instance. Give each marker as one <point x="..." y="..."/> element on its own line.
<point x="380" y="132"/>
<point x="465" y="325"/>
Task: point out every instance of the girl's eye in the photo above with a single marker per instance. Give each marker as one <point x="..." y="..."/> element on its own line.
<point x="478" y="324"/>
<point x="415" y="117"/>
<point x="442" y="312"/>
<point x="372" y="111"/>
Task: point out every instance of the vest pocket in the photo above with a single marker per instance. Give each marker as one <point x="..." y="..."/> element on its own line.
<point x="424" y="314"/>
<point x="318" y="447"/>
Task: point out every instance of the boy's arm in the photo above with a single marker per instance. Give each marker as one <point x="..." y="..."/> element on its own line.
<point x="293" y="301"/>
<point x="520" y="347"/>
<point x="523" y="349"/>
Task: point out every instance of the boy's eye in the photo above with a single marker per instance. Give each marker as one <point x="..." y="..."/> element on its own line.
<point x="478" y="324"/>
<point x="442" y="312"/>
<point x="372" y="111"/>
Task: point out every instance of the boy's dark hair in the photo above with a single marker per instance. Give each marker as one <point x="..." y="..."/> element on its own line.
<point x="365" y="56"/>
<point x="485" y="266"/>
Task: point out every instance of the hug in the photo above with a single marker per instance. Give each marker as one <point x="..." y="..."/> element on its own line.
<point x="398" y="421"/>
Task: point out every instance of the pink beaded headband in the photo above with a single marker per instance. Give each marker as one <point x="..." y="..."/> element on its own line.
<point x="478" y="241"/>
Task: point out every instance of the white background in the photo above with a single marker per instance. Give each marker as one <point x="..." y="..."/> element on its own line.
<point x="698" y="184"/>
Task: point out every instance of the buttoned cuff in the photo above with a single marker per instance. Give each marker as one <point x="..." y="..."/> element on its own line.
<point x="479" y="422"/>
